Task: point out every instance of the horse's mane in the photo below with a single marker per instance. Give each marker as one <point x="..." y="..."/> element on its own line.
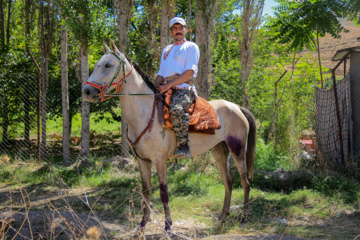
<point x="143" y="75"/>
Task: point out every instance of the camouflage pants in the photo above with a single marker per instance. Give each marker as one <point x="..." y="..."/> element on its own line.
<point x="179" y="103"/>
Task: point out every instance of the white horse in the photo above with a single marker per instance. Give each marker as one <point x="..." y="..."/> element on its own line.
<point x="155" y="144"/>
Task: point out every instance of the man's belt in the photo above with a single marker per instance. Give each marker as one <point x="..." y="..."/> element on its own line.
<point x="173" y="77"/>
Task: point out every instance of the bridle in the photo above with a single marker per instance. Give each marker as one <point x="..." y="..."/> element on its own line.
<point x="105" y="88"/>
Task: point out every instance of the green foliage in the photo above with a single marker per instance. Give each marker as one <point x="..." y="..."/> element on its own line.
<point x="186" y="182"/>
<point x="16" y="78"/>
<point x="268" y="158"/>
<point x="338" y="187"/>
<point x="298" y="22"/>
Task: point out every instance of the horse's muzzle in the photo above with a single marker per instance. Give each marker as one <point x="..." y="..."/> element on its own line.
<point x="90" y="94"/>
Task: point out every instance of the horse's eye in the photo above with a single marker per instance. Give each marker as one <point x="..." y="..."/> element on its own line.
<point x="107" y="65"/>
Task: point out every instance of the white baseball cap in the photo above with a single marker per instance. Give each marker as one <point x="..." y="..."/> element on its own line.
<point x="177" y="20"/>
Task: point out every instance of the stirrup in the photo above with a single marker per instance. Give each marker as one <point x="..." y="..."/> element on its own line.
<point x="182" y="151"/>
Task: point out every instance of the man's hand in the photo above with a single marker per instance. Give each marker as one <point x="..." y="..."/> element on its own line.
<point x="163" y="88"/>
<point x="185" y="76"/>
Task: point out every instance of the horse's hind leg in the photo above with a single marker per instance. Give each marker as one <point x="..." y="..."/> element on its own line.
<point x="145" y="172"/>
<point x="238" y="152"/>
<point x="220" y="153"/>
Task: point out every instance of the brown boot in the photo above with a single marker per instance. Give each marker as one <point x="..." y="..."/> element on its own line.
<point x="182" y="151"/>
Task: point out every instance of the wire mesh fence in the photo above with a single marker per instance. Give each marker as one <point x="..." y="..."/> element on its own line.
<point x="326" y="127"/>
<point x="19" y="116"/>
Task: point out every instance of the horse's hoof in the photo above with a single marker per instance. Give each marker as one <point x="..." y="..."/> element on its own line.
<point x="222" y="217"/>
<point x="166" y="235"/>
<point x="138" y="231"/>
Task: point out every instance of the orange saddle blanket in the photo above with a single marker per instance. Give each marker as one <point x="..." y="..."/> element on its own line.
<point x="203" y="117"/>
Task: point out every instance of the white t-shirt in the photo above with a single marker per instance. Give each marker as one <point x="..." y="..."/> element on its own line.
<point x="182" y="57"/>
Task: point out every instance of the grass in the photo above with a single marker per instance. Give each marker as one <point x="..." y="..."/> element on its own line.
<point x="325" y="207"/>
<point x="102" y="124"/>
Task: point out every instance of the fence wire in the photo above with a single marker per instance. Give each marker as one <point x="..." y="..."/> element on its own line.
<point x="326" y="126"/>
<point x="19" y="103"/>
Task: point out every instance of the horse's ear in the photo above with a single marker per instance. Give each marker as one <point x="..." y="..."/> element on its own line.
<point x="106" y="48"/>
<point x="113" y="46"/>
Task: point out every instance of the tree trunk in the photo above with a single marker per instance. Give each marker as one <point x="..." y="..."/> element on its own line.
<point x="276" y="109"/>
<point x="167" y="12"/>
<point x="2" y="24"/>
<point x="44" y="88"/>
<point x="8" y="24"/>
<point x="27" y="105"/>
<point x="250" y="19"/>
<point x="123" y="8"/>
<point x="152" y="13"/>
<point x="42" y="67"/>
<point x="189" y="20"/>
<point x="204" y="17"/>
<point x="85" y="106"/>
<point x="45" y="28"/>
<point x="65" y="97"/>
<point x="5" y="125"/>
<point x="319" y="58"/>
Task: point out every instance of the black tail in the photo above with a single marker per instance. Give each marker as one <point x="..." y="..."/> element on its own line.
<point x="251" y="143"/>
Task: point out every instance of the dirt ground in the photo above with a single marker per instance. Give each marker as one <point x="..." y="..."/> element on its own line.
<point x="68" y="225"/>
<point x="42" y="212"/>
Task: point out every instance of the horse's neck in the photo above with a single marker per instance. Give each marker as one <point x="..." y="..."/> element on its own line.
<point x="136" y="109"/>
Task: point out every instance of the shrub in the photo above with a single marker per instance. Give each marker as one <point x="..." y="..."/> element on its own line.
<point x="268" y="158"/>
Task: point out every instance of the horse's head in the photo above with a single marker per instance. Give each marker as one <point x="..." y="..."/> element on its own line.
<point x="107" y="74"/>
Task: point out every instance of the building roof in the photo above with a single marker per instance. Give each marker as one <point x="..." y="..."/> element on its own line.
<point x="341" y="53"/>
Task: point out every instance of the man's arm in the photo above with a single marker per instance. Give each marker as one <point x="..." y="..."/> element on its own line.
<point x="159" y="80"/>
<point x="184" y="77"/>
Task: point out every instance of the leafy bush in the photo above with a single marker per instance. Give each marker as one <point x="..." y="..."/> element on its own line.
<point x="338" y="187"/>
<point x="268" y="158"/>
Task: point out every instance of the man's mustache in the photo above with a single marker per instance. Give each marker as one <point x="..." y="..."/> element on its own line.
<point x="178" y="34"/>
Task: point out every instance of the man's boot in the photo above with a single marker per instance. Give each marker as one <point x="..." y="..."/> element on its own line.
<point x="182" y="151"/>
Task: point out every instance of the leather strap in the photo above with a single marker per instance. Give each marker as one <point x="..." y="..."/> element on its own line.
<point x="148" y="127"/>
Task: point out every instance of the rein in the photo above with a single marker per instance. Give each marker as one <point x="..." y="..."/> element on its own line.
<point x="106" y="87"/>
<point x="148" y="127"/>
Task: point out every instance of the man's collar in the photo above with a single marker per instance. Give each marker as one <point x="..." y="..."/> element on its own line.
<point x="181" y="42"/>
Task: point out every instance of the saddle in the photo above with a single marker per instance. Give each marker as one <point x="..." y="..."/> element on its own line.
<point x="203" y="117"/>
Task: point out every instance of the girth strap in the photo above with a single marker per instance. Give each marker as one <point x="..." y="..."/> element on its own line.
<point x="148" y="127"/>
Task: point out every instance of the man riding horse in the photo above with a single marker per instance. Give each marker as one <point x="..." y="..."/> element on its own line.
<point x="178" y="69"/>
<point x="154" y="144"/>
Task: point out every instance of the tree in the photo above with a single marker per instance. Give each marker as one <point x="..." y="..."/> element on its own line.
<point x="65" y="96"/>
<point x="204" y="17"/>
<point x="45" y="27"/>
<point x="152" y="15"/>
<point x="299" y="24"/>
<point x="123" y="14"/>
<point x="8" y="24"/>
<point x="353" y="10"/>
<point x="167" y="13"/>
<point x="26" y="93"/>
<point x="2" y="24"/>
<point x="250" y="21"/>
<point x="80" y="19"/>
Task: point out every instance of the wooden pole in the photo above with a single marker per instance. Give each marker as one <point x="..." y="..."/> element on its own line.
<point x="338" y="116"/>
<point x="39" y="103"/>
<point x="276" y="109"/>
<point x="337" y="105"/>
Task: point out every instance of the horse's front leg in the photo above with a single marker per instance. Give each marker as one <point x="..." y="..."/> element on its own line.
<point x="161" y="168"/>
<point x="145" y="172"/>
